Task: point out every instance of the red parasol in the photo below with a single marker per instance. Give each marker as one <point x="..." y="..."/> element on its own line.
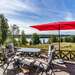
<point x="56" y="26"/>
<point x="69" y="25"/>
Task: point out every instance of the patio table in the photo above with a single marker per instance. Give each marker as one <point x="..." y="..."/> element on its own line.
<point x="30" y="51"/>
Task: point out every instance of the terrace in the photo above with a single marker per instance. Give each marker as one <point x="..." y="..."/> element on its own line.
<point x="64" y="69"/>
<point x="67" y="68"/>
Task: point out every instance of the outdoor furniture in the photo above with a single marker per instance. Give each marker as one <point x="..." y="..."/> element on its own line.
<point x="45" y="66"/>
<point x="27" y="63"/>
<point x="30" y="51"/>
<point x="38" y="65"/>
<point x="17" y="63"/>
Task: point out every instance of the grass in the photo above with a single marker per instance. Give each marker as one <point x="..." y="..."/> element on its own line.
<point x="44" y="47"/>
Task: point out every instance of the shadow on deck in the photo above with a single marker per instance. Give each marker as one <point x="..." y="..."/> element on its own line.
<point x="68" y="68"/>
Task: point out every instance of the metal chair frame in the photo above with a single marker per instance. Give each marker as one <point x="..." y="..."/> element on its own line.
<point x="41" y="69"/>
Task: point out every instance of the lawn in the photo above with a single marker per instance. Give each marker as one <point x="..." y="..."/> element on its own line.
<point x="63" y="46"/>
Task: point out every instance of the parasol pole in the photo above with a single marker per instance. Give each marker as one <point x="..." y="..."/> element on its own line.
<point x="59" y="41"/>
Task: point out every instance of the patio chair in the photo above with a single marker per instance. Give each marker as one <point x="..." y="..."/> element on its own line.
<point x="40" y="67"/>
<point x="17" y="64"/>
<point x="45" y="67"/>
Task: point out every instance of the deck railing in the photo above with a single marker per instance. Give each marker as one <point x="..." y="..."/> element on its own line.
<point x="65" y="54"/>
<point x="62" y="54"/>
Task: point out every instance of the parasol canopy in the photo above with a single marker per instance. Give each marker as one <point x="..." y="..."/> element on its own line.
<point x="69" y="25"/>
<point x="56" y="26"/>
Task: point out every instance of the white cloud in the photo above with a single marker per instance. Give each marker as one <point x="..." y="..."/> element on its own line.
<point x="13" y="6"/>
<point x="67" y="32"/>
<point x="23" y="25"/>
<point x="29" y="30"/>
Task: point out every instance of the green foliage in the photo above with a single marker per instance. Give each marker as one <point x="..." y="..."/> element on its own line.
<point x="15" y="42"/>
<point x="10" y="36"/>
<point x="73" y="38"/>
<point x="54" y="39"/>
<point x="49" y="40"/>
<point x="23" y="38"/>
<point x="3" y="28"/>
<point x="61" y="39"/>
<point x="30" y="43"/>
<point x="0" y="38"/>
<point x="35" y="39"/>
<point x="67" y="39"/>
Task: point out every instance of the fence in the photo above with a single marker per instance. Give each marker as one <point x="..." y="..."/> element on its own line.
<point x="65" y="54"/>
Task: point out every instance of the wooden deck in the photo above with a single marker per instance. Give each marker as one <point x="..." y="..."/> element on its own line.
<point x="65" y="69"/>
<point x="68" y="68"/>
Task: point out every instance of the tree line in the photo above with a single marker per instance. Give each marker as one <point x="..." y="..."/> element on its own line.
<point x="5" y="37"/>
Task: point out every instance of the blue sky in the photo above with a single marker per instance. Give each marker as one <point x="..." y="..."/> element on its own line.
<point x="31" y="12"/>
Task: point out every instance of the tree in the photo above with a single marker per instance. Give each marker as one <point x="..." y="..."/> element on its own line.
<point x="54" y="38"/>
<point x="23" y="38"/>
<point x="68" y="39"/>
<point x="15" y="42"/>
<point x="35" y="39"/>
<point x="0" y="37"/>
<point x="3" y="28"/>
<point x="73" y="38"/>
<point x="49" y="40"/>
<point x="15" y="29"/>
<point x="61" y="39"/>
<point x="15" y="33"/>
<point x="30" y="43"/>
